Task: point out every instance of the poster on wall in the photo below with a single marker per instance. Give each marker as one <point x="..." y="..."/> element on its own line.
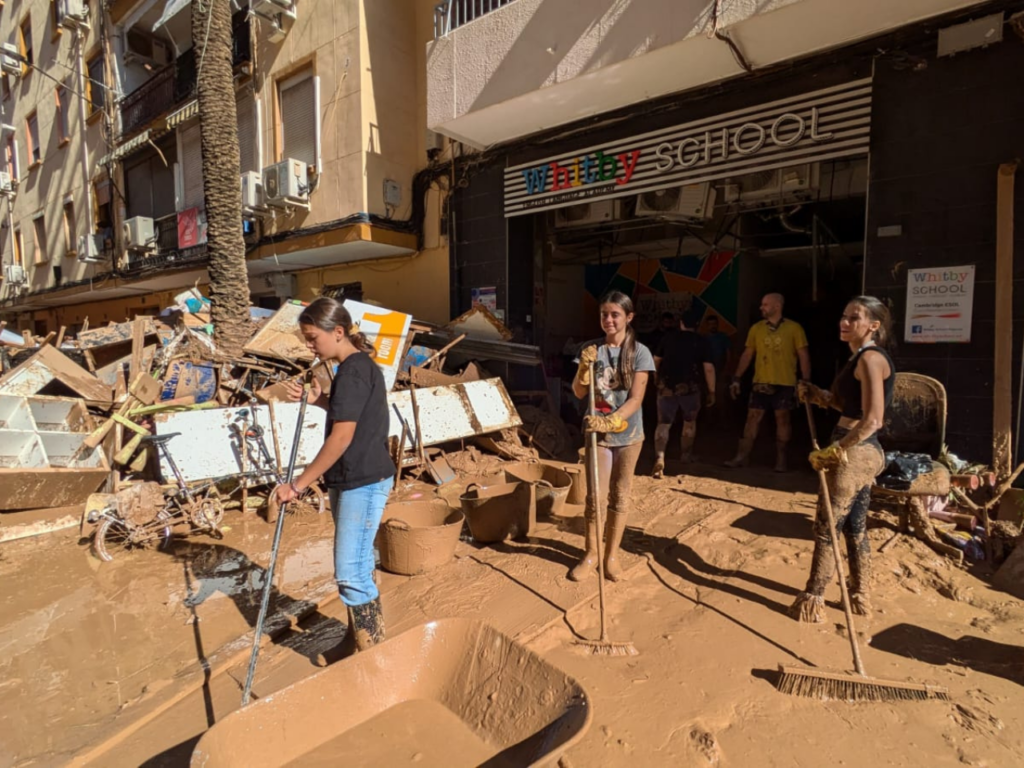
<point x="486" y="297"/>
<point x="651" y="306"/>
<point x="940" y="301"/>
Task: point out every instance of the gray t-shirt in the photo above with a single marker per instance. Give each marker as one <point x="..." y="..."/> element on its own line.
<point x="610" y="391"/>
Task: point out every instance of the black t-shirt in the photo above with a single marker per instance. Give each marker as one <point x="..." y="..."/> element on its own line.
<point x="358" y="394"/>
<point x="683" y="355"/>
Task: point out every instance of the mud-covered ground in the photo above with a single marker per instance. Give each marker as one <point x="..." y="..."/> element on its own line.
<point x="127" y="663"/>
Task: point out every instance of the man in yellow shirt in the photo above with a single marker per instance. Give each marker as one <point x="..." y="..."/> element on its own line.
<point x="777" y="345"/>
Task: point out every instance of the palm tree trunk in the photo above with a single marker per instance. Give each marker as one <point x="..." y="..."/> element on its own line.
<point x="218" y="118"/>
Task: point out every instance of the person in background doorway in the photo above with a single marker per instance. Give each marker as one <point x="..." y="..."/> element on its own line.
<point x="775" y="345"/>
<point x="621" y="367"/>
<point x="684" y="363"/>
<point x="862" y="393"/>
<point x="667" y="324"/>
<point x="354" y="460"/>
<point x="721" y="349"/>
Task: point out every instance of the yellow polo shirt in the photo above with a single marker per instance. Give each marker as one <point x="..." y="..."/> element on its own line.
<point x="775" y="350"/>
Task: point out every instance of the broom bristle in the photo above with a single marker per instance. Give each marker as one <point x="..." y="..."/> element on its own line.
<point x="829" y="686"/>
<point x="607" y="648"/>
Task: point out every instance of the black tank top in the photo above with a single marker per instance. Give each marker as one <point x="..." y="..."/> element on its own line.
<point x="846" y="390"/>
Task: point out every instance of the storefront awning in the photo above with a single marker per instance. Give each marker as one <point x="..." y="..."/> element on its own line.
<point x="134" y="143"/>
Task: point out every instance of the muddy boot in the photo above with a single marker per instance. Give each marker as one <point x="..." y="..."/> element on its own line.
<point x="585" y="568"/>
<point x="858" y="551"/>
<point x="367" y="621"/>
<point x="781" y="464"/>
<point x="613" y="540"/>
<point x="809" y="605"/>
<point x="659" y="467"/>
<point x="742" y="457"/>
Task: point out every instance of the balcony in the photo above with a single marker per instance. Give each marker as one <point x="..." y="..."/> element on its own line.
<point x="498" y="71"/>
<point x="175" y="84"/>
<point x="167" y="254"/>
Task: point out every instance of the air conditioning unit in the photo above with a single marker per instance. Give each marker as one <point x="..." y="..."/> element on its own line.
<point x="584" y="214"/>
<point x="252" y="190"/>
<point x="90" y="249"/>
<point x="278" y="13"/>
<point x="146" y="50"/>
<point x="690" y="202"/>
<point x="6" y="187"/>
<point x="285" y="183"/>
<point x="73" y="13"/>
<point x="797" y="182"/>
<point x="139" y="233"/>
<point x="14" y="274"/>
<point x="10" y="59"/>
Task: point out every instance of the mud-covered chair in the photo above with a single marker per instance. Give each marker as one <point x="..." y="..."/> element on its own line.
<point x="916" y="423"/>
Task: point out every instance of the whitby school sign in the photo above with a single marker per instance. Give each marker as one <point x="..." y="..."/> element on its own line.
<point x="824" y="125"/>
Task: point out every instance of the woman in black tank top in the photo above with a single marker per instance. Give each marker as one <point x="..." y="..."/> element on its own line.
<point x="861" y="393"/>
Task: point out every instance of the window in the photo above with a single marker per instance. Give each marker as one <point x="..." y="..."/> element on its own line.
<point x="35" y="152"/>
<point x="298" y="105"/>
<point x="70" y="244"/>
<point x="39" y="230"/>
<point x="248" y="133"/>
<point x="149" y="183"/>
<point x="191" y="169"/>
<point x="63" y="98"/>
<point x="56" y="16"/>
<point x="103" y="210"/>
<point x="5" y="83"/>
<point x="11" y="157"/>
<point x="25" y="44"/>
<point x="95" y="86"/>
<point x="19" y="249"/>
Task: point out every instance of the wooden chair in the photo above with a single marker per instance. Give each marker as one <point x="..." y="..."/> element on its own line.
<point x="916" y="423"/>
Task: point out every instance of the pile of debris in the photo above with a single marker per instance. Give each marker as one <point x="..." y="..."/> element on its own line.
<point x="147" y="429"/>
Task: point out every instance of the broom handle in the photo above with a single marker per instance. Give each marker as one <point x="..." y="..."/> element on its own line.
<point x="593" y="482"/>
<point x="834" y="536"/>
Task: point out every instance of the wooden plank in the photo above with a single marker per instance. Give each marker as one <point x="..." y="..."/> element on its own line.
<point x="138" y="344"/>
<point x="1002" y="394"/>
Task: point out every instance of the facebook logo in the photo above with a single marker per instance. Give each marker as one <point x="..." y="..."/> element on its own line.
<point x="914" y="329"/>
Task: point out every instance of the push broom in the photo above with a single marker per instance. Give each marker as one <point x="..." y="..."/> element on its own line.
<point x="819" y="684"/>
<point x="602" y="646"/>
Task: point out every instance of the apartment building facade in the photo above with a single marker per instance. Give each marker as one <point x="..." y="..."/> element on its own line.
<point x="330" y="98"/>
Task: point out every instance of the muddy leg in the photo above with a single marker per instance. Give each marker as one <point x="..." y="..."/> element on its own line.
<point x="858" y="551"/>
<point x="660" y="444"/>
<point x="750" y="428"/>
<point x="619" y="505"/>
<point x="585" y="568"/>
<point x="783" y="433"/>
<point x="686" y="441"/>
<point x="809" y="605"/>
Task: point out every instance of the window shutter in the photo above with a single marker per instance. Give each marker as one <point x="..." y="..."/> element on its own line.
<point x="299" y="129"/>
<point x="139" y="189"/>
<point x="191" y="169"/>
<point x="247" y="134"/>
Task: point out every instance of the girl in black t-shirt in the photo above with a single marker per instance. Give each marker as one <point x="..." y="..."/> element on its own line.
<point x="354" y="461"/>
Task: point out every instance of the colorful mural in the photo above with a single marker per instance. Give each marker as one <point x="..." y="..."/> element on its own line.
<point x="704" y="285"/>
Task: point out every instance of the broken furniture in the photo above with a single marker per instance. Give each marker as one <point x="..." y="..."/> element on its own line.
<point x="49" y="372"/>
<point x="452" y="692"/>
<point x="42" y="459"/>
<point x="916" y="423"/>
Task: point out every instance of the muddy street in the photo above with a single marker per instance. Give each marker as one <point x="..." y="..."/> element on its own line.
<point x="128" y="663"/>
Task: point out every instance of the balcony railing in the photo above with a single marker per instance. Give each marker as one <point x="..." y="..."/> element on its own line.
<point x="175" y="83"/>
<point x="452" y="14"/>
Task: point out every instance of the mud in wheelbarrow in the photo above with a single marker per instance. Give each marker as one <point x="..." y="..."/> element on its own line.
<point x="454" y="692"/>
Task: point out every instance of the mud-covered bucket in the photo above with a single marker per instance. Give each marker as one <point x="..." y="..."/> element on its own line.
<point x="416" y="536"/>
<point x="553" y="484"/>
<point x="578" y="473"/>
<point x="498" y="511"/>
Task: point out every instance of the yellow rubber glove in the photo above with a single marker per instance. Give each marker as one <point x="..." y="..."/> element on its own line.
<point x="828" y="458"/>
<point x="809" y="393"/>
<point x="610" y="424"/>
<point x="587" y="358"/>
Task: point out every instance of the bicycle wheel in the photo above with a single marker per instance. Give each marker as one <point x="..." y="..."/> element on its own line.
<point x="113" y="535"/>
<point x="313" y="501"/>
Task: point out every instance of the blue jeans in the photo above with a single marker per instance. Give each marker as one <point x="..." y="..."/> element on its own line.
<point x="357" y="516"/>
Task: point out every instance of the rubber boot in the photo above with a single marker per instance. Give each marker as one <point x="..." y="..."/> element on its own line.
<point x="742" y="457"/>
<point x="585" y="568"/>
<point x="612" y="541"/>
<point x="781" y="465"/>
<point x="343" y="649"/>
<point x="858" y="551"/>
<point x="367" y="622"/>
<point x="809" y="605"/>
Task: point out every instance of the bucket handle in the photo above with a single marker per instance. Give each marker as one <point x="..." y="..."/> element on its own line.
<point x="544" y="483"/>
<point x="395" y="522"/>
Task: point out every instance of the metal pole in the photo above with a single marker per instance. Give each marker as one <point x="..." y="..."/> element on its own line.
<point x="83" y="129"/>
